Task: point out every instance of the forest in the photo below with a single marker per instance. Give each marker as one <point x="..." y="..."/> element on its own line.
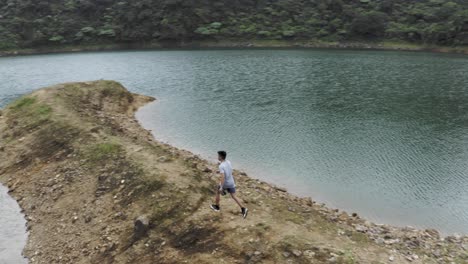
<point x="38" y="23"/>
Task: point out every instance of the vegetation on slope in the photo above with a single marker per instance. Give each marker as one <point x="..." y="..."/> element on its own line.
<point x="27" y="23"/>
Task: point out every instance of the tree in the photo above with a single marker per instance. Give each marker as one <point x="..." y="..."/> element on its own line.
<point x="370" y="24"/>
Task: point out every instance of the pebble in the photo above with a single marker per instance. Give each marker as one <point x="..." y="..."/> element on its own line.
<point x="297" y="253"/>
<point x="391" y="258"/>
<point x="286" y="254"/>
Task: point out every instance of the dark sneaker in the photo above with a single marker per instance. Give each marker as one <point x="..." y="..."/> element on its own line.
<point x="244" y="212"/>
<point x="215" y="207"/>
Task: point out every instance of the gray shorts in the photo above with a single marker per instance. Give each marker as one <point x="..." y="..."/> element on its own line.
<point x="228" y="189"/>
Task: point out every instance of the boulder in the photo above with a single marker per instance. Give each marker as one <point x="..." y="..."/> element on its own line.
<point x="141" y="227"/>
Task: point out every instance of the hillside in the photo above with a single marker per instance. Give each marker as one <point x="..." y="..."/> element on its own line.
<point x="97" y="188"/>
<point x="29" y="24"/>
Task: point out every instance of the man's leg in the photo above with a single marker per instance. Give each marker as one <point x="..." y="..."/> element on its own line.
<point x="215" y="206"/>
<point x="217" y="196"/>
<point x="243" y="209"/>
<point x="233" y="195"/>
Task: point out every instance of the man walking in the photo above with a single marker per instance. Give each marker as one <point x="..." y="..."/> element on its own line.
<point x="226" y="183"/>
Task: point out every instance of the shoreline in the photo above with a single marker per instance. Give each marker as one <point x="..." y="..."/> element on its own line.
<point x="236" y="44"/>
<point x="322" y="202"/>
<point x="107" y="112"/>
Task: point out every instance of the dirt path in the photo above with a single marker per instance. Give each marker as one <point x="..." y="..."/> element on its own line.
<point x="83" y="170"/>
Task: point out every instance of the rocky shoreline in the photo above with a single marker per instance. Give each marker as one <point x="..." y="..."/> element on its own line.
<point x="96" y="187"/>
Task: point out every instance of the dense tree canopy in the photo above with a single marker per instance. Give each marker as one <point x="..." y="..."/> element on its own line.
<point x="29" y="23"/>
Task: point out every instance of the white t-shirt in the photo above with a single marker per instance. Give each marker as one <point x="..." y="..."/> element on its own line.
<point x="226" y="168"/>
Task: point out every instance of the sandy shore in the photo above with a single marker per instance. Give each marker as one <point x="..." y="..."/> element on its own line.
<point x="98" y="188"/>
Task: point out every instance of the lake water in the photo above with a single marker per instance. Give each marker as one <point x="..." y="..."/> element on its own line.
<point x="383" y="134"/>
<point x="12" y="230"/>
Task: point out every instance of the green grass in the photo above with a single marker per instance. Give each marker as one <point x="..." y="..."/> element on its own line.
<point x="103" y="151"/>
<point x="347" y="258"/>
<point x="23" y="103"/>
<point x="27" y="114"/>
<point x="28" y="106"/>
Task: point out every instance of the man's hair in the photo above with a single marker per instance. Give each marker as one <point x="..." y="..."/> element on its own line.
<point x="222" y="153"/>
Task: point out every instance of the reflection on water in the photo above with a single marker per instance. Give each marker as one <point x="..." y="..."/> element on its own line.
<point x="384" y="134"/>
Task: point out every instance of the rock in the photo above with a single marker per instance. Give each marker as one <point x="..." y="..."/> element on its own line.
<point x="309" y="253"/>
<point x="281" y="189"/>
<point x="343" y="216"/>
<point x="297" y="253"/>
<point x="162" y="159"/>
<point x="257" y="253"/>
<point x="453" y="239"/>
<point x="379" y="240"/>
<point x="141" y="227"/>
<point x="88" y="219"/>
<point x="433" y="233"/>
<point x="391" y="258"/>
<point x="361" y="228"/>
<point x="243" y="173"/>
<point x="286" y="254"/>
<point x="391" y="241"/>
<point x="207" y="170"/>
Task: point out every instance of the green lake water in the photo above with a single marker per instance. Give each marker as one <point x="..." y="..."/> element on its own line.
<point x="383" y="134"/>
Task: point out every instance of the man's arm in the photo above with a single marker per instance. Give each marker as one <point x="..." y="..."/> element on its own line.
<point x="221" y="181"/>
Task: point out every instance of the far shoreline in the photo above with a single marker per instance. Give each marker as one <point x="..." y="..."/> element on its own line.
<point x="236" y="44"/>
